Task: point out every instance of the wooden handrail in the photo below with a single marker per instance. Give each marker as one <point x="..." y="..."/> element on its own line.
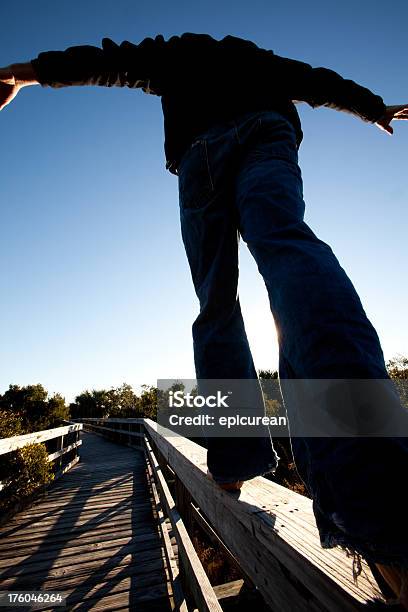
<point x="8" y="445"/>
<point x="271" y="531"/>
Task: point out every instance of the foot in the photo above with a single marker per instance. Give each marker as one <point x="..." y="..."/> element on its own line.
<point x="397" y="580"/>
<point x="227" y="486"/>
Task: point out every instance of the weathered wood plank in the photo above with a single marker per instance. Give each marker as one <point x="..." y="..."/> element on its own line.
<point x="87" y="551"/>
<point x="228" y="589"/>
<point x="114" y="522"/>
<point x="84" y="571"/>
<point x="64" y="450"/>
<point x="91" y="506"/>
<point x="30" y="546"/>
<point x="124" y="432"/>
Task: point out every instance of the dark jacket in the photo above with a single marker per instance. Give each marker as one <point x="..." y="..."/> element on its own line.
<point x="203" y="81"/>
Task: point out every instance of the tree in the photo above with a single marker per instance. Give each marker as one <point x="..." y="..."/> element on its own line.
<point x="124" y="402"/>
<point x="398" y="371"/>
<point x="147" y="402"/>
<point x="10" y="424"/>
<point x="91" y="404"/>
<point x="119" y="402"/>
<point x="398" y="367"/>
<point x="33" y="407"/>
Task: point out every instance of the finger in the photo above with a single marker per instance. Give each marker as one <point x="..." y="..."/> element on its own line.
<point x="387" y="128"/>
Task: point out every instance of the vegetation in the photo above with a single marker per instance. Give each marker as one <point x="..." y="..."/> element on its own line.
<point x="120" y="402"/>
<point x="26" y="469"/>
<point x="398" y="371"/>
<point x="31" y="407"/>
<point x="23" y="472"/>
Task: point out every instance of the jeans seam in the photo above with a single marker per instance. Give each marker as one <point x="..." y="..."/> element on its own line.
<point x="237" y="133"/>
<point x="208" y="164"/>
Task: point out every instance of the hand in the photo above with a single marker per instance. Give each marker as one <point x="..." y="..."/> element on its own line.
<point x="392" y="112"/>
<point x="8" y="87"/>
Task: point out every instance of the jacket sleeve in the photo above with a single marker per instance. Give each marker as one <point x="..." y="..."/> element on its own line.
<point x="324" y="87"/>
<point x="124" y="65"/>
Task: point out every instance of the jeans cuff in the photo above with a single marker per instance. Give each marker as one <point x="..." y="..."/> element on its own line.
<point x="397" y="559"/>
<point x="269" y="469"/>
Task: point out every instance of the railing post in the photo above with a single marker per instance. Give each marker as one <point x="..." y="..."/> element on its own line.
<point x="60" y="460"/>
<point x="183" y="503"/>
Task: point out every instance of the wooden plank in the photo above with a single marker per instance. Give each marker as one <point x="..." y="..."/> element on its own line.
<point x="90" y="505"/>
<point x="7" y="445"/>
<point x="49" y="554"/>
<point x="83" y="570"/>
<point x="102" y="428"/>
<point x="269" y="539"/>
<point x="154" y="575"/>
<point x="25" y="546"/>
<point x="198" y="579"/>
<point x="27" y="538"/>
<point x="76" y="498"/>
<point x="132" y="421"/>
<point x="228" y="589"/>
<point x="41" y="563"/>
<point x="64" y="450"/>
<point x="84" y="597"/>
<point x="119" y="515"/>
<point x="67" y="467"/>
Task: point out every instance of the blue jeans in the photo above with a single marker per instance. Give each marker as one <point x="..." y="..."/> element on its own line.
<point x="242" y="178"/>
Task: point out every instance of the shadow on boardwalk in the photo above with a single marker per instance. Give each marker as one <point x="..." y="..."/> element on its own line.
<point x="93" y="537"/>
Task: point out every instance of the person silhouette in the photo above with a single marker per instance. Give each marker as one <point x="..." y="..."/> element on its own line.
<point x="232" y="135"/>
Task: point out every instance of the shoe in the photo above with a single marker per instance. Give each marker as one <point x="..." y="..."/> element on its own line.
<point x="227" y="486"/>
<point x="397" y="580"/>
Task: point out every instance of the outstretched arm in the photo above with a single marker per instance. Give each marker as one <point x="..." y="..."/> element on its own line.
<point x="136" y="66"/>
<point x="324" y="87"/>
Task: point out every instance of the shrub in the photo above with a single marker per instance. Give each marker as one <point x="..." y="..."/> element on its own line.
<point x="23" y="471"/>
<point x="28" y="469"/>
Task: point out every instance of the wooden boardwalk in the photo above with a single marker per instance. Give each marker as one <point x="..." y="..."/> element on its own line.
<point x="95" y="536"/>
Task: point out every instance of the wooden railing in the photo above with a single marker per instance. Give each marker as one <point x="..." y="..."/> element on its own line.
<point x="267" y="530"/>
<point x="62" y="445"/>
<point x="124" y="431"/>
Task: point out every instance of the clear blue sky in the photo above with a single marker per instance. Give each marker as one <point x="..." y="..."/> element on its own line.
<point x="95" y="286"/>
